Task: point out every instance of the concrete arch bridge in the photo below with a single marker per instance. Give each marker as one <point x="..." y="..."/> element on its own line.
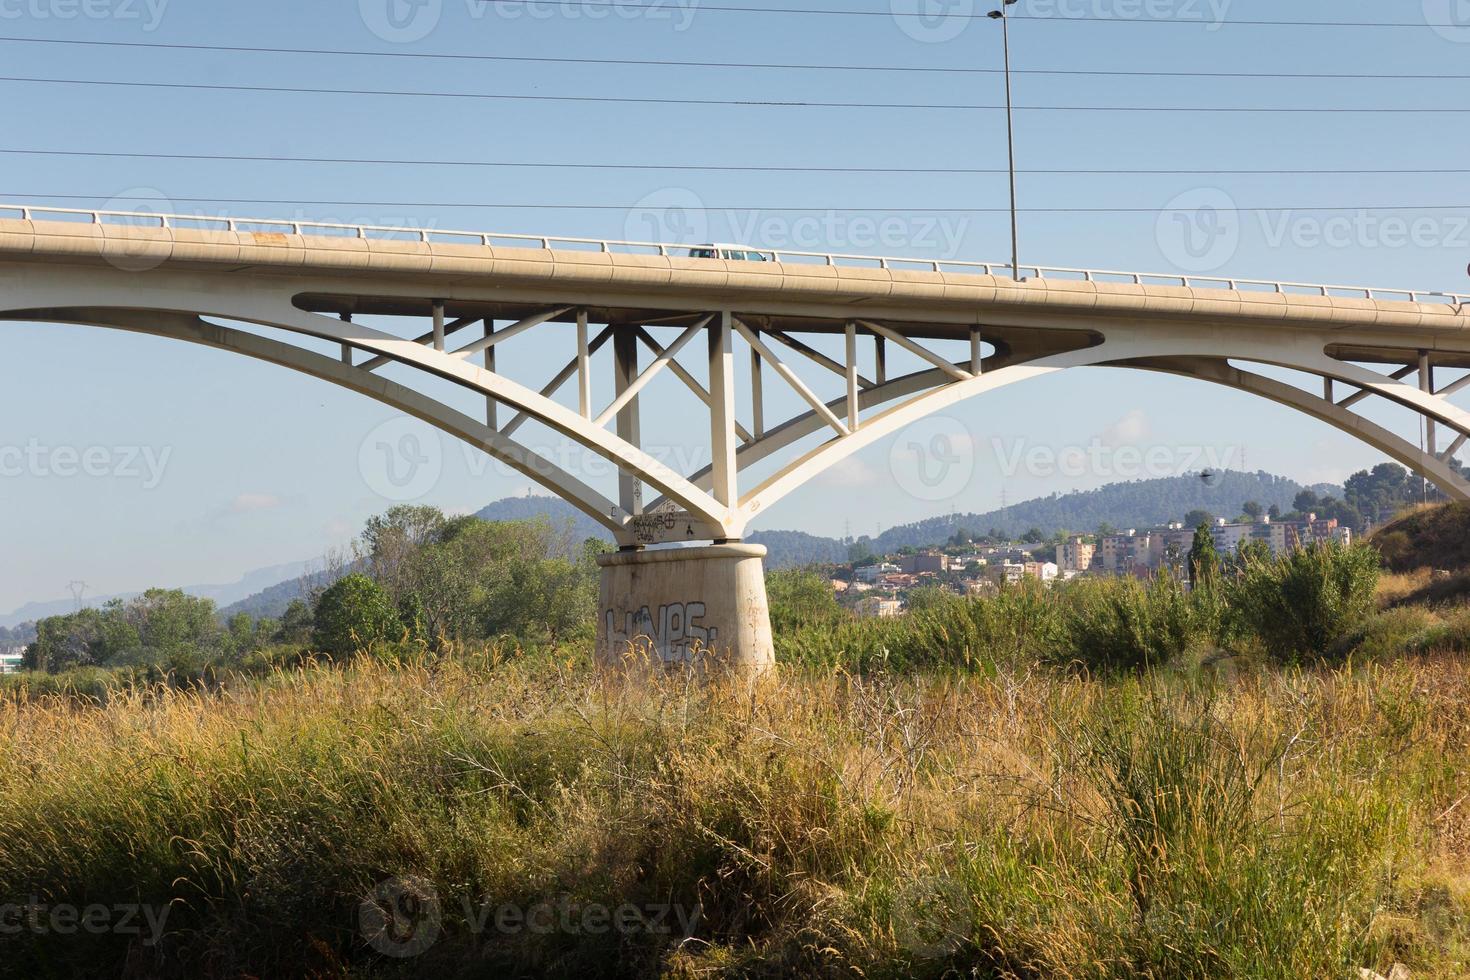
<point x="863" y="346"/>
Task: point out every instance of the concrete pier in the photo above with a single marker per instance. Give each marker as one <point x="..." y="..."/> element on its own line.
<point x="682" y="606"/>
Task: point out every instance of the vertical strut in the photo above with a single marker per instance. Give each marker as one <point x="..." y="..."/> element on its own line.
<point x="584" y="367"/>
<point x="722" y="409"/>
<point x="757" y="395"/>
<point x="490" y="410"/>
<point x="439" y="324"/>
<point x="977" y="354"/>
<point x="625" y="370"/>
<point x="346" y="348"/>
<point x="1426" y="384"/>
<point x="852" y="376"/>
<point x="880" y="357"/>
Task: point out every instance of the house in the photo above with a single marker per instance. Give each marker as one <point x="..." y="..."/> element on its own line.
<point x="920" y="564"/>
<point x="1042" y="571"/>
<point x="1005" y="572"/>
<point x="874" y="573"/>
<point x="1075" y="555"/>
<point x="11" y="659"/>
<point x="875" y="607"/>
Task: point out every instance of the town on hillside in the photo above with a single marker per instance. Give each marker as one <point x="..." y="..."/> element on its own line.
<point x="879" y="586"/>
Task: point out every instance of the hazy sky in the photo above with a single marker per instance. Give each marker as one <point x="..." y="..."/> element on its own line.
<point x="213" y="465"/>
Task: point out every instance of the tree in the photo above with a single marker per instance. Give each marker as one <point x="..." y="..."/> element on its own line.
<point x="860" y="553"/>
<point x="1204" y="560"/>
<point x="927" y="597"/>
<point x="1252" y="510"/>
<point x="296" y="624"/>
<point x="352" y="615"/>
<point x="1033" y="536"/>
<point x="392" y="539"/>
<point x="1197" y="517"/>
<point x="1306" y="502"/>
<point x="161" y="628"/>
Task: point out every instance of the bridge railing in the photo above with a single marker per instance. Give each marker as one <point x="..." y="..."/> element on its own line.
<point x="548" y="242"/>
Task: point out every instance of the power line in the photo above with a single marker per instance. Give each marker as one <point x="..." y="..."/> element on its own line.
<point x="637" y="100"/>
<point x="723" y="168"/>
<point x="1195" y="22"/>
<point x="662" y="63"/>
<point x="797" y="210"/>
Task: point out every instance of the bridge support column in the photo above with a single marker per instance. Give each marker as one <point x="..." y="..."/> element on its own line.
<point x="686" y="606"/>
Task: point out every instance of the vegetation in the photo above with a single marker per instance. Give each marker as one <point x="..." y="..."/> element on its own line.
<point x="1303" y="606"/>
<point x="1256" y="768"/>
<point x="421" y="581"/>
<point x="1298" y="606"/>
<point x="1277" y="825"/>
<point x="1427" y="537"/>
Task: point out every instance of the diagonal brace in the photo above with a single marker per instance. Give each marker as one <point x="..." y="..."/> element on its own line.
<point x="425" y="339"/>
<point x="690" y="381"/>
<point x="499" y="336"/>
<point x="562" y="377"/>
<point x="650" y="372"/>
<point x="917" y="350"/>
<point x="816" y="356"/>
<point x="1362" y="393"/>
<point x="818" y="406"/>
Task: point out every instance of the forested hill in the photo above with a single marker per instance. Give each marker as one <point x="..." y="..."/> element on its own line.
<point x="554" y="509"/>
<point x="1140" y="504"/>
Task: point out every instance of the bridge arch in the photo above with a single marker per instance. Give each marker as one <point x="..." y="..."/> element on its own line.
<point x="174" y="281"/>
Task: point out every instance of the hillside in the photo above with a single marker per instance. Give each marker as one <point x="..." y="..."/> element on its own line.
<point x="1142" y="503"/>
<point x="1428" y="537"/>
<point x="554" y="509"/>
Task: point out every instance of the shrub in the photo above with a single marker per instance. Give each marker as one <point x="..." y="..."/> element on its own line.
<point x="1303" y="603"/>
<point x="1124" y="624"/>
<point x="352" y="615"/>
<point x="800" y="597"/>
<point x="1022" y="624"/>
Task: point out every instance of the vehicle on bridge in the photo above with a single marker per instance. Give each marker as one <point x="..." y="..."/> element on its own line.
<point x="734" y="253"/>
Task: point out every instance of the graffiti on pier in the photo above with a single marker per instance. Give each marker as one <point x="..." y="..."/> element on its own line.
<point x="677" y="633"/>
<point x="661" y="526"/>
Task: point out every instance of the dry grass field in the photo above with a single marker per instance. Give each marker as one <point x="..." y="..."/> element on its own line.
<point x="526" y="818"/>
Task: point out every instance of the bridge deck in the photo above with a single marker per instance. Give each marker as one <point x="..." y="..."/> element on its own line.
<point x="375" y="275"/>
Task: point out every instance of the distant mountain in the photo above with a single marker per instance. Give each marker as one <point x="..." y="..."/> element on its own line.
<point x="1139" y="504"/>
<point x="271" y="602"/>
<point x="793" y="549"/>
<point x="223" y="595"/>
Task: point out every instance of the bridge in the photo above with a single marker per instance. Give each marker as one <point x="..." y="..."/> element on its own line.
<point x="293" y="293"/>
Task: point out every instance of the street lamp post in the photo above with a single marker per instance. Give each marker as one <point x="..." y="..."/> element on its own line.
<point x="1005" y="36"/>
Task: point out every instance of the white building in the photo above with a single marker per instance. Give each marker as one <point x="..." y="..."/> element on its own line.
<point x="874" y="573"/>
<point x="11" y="658"/>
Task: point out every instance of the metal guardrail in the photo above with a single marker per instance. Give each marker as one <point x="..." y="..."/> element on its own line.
<point x="777" y="255"/>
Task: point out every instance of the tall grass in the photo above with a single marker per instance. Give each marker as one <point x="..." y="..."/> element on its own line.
<point x="812" y="824"/>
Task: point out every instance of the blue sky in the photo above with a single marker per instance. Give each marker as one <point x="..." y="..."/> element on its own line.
<point x="237" y="465"/>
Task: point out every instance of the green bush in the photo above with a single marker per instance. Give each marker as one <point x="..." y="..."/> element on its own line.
<point x="800" y="597"/>
<point x="354" y="614"/>
<point x="1302" y="604"/>
<point x="1125" y="624"/>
